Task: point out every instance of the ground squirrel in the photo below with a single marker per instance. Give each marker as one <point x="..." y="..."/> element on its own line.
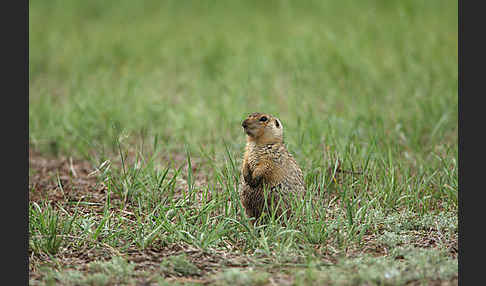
<point x="268" y="164"/>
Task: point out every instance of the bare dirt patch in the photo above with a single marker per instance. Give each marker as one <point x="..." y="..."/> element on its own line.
<point x="62" y="179"/>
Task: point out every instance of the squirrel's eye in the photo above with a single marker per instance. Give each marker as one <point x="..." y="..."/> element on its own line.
<point x="263" y="119"/>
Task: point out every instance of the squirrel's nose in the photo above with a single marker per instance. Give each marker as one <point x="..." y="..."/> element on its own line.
<point x="245" y="123"/>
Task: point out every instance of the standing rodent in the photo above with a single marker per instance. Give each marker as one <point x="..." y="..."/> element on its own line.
<point x="268" y="164"/>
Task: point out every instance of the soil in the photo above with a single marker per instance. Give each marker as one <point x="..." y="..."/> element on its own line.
<point x="62" y="180"/>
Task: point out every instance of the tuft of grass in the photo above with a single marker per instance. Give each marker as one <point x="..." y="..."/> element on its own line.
<point x="239" y="277"/>
<point x="48" y="228"/>
<point x="116" y="271"/>
<point x="179" y="265"/>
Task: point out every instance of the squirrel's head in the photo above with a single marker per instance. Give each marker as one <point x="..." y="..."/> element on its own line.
<point x="263" y="128"/>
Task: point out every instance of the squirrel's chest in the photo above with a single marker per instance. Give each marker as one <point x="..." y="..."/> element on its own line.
<point x="255" y="155"/>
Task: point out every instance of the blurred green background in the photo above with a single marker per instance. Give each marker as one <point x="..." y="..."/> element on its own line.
<point x="188" y="72"/>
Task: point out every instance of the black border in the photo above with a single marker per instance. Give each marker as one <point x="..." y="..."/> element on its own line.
<point x="15" y="138"/>
<point x="471" y="120"/>
<point x="22" y="36"/>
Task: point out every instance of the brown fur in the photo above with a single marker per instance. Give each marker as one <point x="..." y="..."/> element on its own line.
<point x="268" y="168"/>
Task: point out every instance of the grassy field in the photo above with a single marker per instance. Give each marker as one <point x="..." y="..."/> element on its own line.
<point x="135" y="141"/>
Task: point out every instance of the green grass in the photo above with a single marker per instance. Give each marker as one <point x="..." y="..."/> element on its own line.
<point x="153" y="96"/>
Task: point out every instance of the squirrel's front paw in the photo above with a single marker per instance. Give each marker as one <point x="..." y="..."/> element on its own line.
<point x="251" y="180"/>
<point x="246" y="174"/>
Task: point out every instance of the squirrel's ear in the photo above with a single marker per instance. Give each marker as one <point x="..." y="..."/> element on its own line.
<point x="277" y="123"/>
